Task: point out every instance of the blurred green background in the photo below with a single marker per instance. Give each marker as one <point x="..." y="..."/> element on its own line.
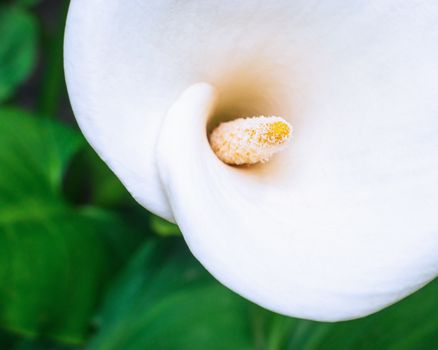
<point x="82" y="266"/>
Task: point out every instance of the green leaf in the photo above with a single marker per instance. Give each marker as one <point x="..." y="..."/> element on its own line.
<point x="54" y="259"/>
<point x="166" y="300"/>
<point x="52" y="269"/>
<point x="164" y="228"/>
<point x="18" y="48"/>
<point x="33" y="156"/>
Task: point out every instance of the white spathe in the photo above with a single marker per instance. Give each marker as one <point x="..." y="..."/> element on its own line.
<point x="342" y="223"/>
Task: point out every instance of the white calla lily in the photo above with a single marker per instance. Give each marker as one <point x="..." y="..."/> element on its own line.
<point x="341" y="223"/>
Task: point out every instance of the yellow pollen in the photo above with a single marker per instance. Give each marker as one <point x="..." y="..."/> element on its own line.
<point x="278" y="132"/>
<point x="246" y="141"/>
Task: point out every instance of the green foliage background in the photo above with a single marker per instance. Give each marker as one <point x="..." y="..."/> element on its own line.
<point x="83" y="267"/>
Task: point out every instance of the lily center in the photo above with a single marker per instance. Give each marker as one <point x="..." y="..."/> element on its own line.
<point x="247" y="141"/>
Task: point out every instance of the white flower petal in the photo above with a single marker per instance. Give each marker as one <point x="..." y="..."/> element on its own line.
<point x="341" y="224"/>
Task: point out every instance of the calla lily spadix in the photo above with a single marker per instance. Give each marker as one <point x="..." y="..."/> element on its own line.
<point x="344" y="220"/>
